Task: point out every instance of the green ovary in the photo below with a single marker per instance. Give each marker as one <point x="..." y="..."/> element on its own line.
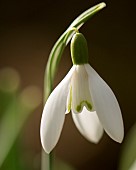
<point x="84" y="103"/>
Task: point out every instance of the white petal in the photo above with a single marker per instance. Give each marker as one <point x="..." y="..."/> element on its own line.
<point x="89" y="125"/>
<point x="106" y="105"/>
<point x="54" y="114"/>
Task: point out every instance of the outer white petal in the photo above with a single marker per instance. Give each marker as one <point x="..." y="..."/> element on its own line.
<point x="54" y="114"/>
<point x="89" y="125"/>
<point x="106" y="105"/>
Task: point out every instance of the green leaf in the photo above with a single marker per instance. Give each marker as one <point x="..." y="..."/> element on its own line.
<point x="15" y="117"/>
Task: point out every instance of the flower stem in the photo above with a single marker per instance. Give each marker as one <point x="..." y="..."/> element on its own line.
<point x="51" y="155"/>
<point x="47" y="161"/>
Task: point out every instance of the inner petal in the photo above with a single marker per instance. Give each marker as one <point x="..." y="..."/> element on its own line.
<point x="80" y="90"/>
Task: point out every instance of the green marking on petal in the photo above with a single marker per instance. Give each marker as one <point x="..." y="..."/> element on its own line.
<point x="84" y="103"/>
<point x="70" y="101"/>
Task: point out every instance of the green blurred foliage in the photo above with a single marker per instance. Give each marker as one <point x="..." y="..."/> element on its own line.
<point x="61" y="165"/>
<point x="13" y="159"/>
<point x="128" y="154"/>
<point x="15" y="107"/>
<point x="9" y="85"/>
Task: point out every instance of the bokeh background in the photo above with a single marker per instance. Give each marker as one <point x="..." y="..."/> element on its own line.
<point x="28" y="31"/>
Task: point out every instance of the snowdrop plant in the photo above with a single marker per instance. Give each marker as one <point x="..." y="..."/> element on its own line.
<point x="93" y="105"/>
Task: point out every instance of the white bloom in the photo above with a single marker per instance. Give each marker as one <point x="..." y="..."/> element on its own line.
<point x="94" y="108"/>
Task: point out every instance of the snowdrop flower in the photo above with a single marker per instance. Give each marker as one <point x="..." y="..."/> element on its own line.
<point x="93" y="105"/>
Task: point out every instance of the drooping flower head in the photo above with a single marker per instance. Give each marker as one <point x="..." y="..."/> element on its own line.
<point x="93" y="105"/>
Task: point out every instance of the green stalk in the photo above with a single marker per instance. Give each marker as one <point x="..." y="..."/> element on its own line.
<point x="60" y="45"/>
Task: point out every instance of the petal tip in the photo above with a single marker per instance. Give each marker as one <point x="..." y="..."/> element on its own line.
<point x="98" y="136"/>
<point x="46" y="146"/>
<point x="94" y="138"/>
<point x="96" y="141"/>
<point x="118" y="138"/>
<point x="47" y="151"/>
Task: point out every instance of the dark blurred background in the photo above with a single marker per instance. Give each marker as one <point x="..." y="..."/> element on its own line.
<point x="28" y="31"/>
